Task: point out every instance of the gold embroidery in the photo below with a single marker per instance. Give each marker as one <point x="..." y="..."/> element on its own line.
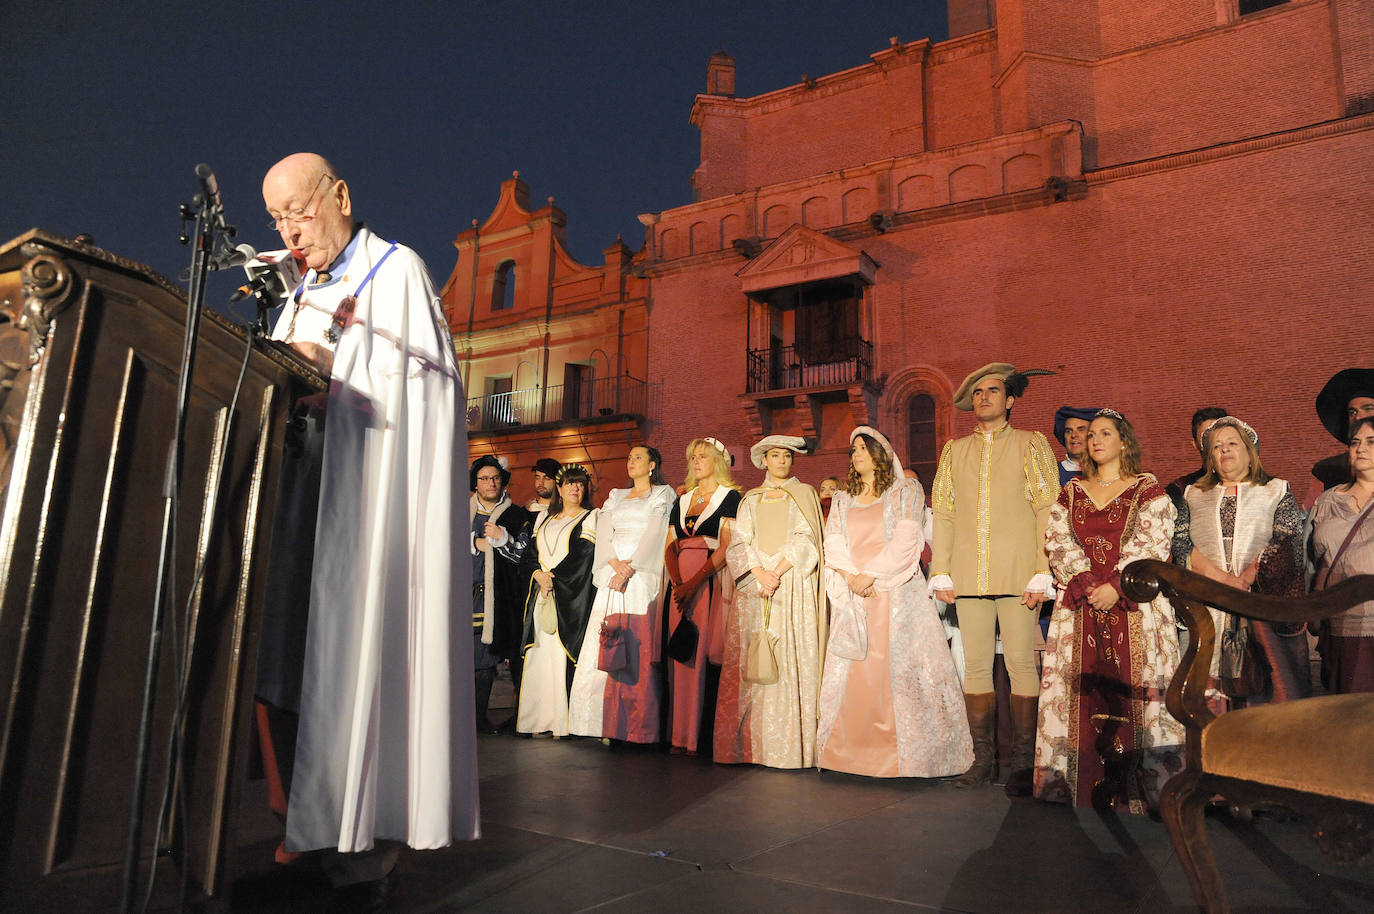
<point x="1042" y="475"/>
<point x="942" y="489"/>
<point x="984" y="509"/>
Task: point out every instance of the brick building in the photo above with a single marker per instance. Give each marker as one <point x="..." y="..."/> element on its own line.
<point x="553" y="352"/>
<point x="1166" y="201"/>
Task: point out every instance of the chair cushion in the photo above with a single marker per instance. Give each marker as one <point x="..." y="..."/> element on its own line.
<point x="1319" y="745"/>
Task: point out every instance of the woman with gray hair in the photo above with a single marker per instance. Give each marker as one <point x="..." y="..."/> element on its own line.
<point x="1242" y="527"/>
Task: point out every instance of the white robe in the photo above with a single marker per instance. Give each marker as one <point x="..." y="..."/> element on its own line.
<point x="386" y="747"/>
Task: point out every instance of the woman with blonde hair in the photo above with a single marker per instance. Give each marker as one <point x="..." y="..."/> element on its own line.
<point x="890" y="702"/>
<point x="1104" y="737"/>
<point x="698" y="539"/>
<point x="1242" y="527"/>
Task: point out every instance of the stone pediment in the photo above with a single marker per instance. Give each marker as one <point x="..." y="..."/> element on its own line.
<point x="801" y="255"/>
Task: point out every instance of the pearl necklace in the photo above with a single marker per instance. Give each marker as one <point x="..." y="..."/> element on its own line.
<point x="1104" y="483"/>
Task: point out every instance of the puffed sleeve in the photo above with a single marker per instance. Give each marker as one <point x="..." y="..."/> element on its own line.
<point x="742" y="556"/>
<point x="1282" y="565"/>
<point x="601" y="570"/>
<point x="648" y="557"/>
<point x="900" y="558"/>
<point x="1042" y="488"/>
<point x="1183" y="535"/>
<point x="1153" y="536"/>
<point x="942" y="505"/>
<point x="1066" y="556"/>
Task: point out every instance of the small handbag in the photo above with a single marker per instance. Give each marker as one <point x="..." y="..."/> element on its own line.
<point x="546" y="614"/>
<point x="761" y="660"/>
<point x="612" y="656"/>
<point x="614" y="652"/>
<point x="682" y="646"/>
<point x="848" y="629"/>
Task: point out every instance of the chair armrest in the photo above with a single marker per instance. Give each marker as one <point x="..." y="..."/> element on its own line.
<point x="1179" y="581"/>
<point x="1190" y="594"/>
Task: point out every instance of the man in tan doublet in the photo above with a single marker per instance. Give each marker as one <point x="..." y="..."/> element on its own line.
<point x="991" y="499"/>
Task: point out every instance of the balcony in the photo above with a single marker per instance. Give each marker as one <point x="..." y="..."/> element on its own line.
<point x="606" y="398"/>
<point x="842" y="363"/>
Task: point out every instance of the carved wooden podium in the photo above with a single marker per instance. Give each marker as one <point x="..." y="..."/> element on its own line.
<point x="79" y="539"/>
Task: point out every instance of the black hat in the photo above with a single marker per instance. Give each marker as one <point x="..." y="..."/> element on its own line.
<point x="487" y="461"/>
<point x="1335" y="398"/>
<point x="1064" y="413"/>
<point x="548" y="466"/>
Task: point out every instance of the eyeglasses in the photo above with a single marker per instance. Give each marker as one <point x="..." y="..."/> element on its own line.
<point x="300" y="215"/>
<point x="488" y="478"/>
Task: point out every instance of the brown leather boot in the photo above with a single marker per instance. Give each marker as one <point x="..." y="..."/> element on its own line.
<point x="1021" y="781"/>
<point x="982" y="725"/>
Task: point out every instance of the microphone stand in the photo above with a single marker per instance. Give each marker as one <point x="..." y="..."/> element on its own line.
<point x="211" y="233"/>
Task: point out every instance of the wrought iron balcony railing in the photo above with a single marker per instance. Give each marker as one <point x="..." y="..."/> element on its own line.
<point x="838" y="363"/>
<point x="621" y="396"/>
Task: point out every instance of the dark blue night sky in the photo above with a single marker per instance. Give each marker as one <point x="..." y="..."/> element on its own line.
<point x="425" y="107"/>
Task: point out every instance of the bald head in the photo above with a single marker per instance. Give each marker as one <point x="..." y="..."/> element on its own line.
<point x="311" y="206"/>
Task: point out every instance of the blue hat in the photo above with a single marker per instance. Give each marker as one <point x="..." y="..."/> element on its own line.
<point x="1065" y="413"/>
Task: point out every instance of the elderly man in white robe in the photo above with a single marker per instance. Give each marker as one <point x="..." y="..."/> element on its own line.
<point x="386" y="747"/>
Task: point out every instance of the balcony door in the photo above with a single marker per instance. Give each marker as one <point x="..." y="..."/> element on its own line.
<point x="827" y="323"/>
<point x="496" y="405"/>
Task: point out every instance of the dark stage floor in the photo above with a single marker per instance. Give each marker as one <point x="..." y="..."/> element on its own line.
<point x="571" y="825"/>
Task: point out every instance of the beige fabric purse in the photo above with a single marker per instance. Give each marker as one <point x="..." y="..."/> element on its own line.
<point x="546" y="614"/>
<point x="761" y="661"/>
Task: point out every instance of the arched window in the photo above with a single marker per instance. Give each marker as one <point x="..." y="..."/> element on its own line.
<point x="920" y="437"/>
<point x="503" y="287"/>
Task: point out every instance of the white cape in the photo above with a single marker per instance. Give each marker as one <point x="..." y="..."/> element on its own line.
<point x="386" y="746"/>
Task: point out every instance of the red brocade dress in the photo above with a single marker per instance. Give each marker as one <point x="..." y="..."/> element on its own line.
<point x="1104" y="736"/>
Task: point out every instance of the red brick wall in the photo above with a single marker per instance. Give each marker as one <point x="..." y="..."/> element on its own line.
<point x="1234" y="282"/>
<point x="1128" y="24"/>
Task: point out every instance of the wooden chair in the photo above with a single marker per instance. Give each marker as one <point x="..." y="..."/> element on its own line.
<point x="1313" y="757"/>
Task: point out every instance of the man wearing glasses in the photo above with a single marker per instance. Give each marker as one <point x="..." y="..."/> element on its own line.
<point x="385" y="748"/>
<point x="500" y="533"/>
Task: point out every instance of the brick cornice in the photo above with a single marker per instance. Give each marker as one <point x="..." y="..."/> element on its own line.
<point x="1320" y="131"/>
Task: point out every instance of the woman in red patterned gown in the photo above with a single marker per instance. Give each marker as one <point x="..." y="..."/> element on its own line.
<point x="1105" y="738"/>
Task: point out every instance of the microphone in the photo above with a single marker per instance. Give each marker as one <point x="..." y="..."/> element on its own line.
<point x="260" y="284"/>
<point x="210" y="186"/>
<point x="236" y="257"/>
<point x="272" y="277"/>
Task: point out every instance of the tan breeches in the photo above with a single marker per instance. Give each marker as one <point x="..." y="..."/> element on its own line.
<point x="979" y="619"/>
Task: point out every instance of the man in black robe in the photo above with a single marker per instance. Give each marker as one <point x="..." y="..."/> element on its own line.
<point x="500" y="534"/>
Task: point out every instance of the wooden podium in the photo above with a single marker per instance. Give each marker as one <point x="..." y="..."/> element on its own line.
<point x="79" y="540"/>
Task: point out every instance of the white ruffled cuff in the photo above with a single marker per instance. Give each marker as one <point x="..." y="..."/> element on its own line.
<point x="1041" y="583"/>
<point x="940" y="582"/>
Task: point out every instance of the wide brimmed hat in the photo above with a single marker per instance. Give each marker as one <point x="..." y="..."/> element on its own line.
<point x="1335" y="398"/>
<point x="1064" y="413"/>
<point x="791" y="442"/>
<point x="1015" y="381"/>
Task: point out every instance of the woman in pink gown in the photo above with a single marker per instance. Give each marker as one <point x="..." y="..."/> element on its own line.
<point x="890" y="704"/>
